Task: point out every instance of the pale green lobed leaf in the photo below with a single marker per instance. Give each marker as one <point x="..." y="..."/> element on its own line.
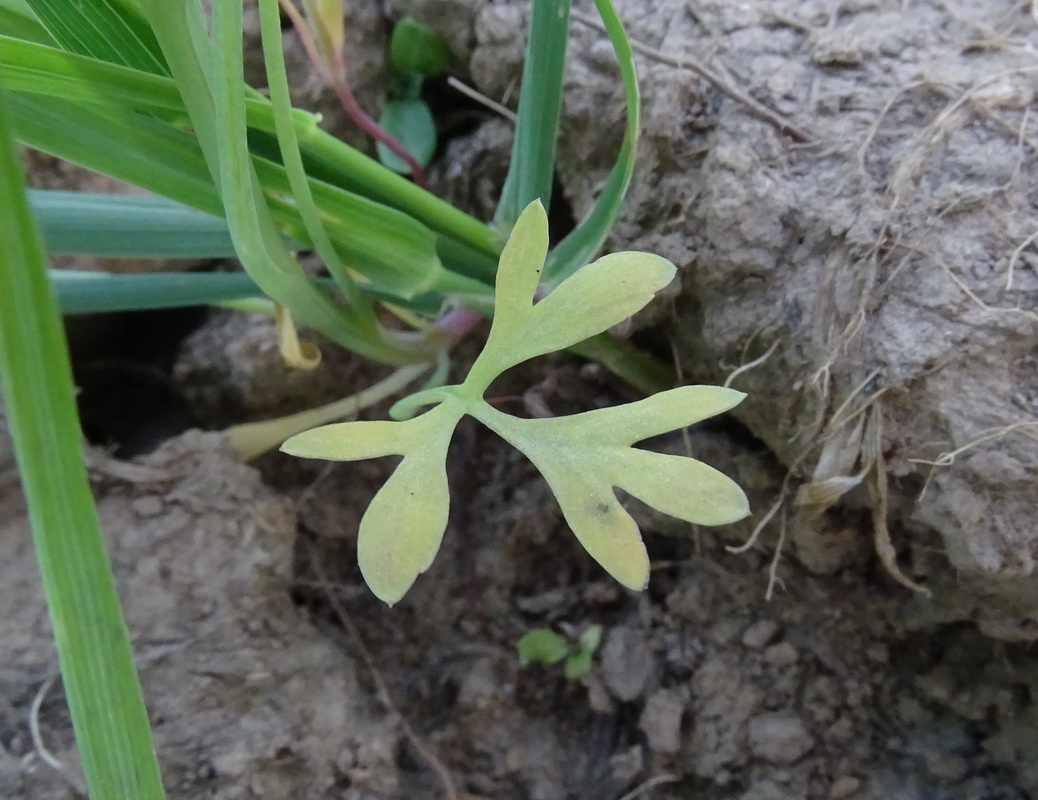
<point x="402" y="529"/>
<point x="681" y="487"/>
<point x="634" y="422"/>
<point x="518" y="274"/>
<point x="590" y="508"/>
<point x="596" y="298"/>
<point x="355" y="441"/>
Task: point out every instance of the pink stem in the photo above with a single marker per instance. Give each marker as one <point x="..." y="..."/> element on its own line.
<point x="335" y="76"/>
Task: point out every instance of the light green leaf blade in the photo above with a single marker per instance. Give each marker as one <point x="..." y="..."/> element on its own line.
<point x="94" y="652"/>
<point x="356" y="441"/>
<point x="634" y="422"/>
<point x="401" y="531"/>
<point x="589" y="504"/>
<point x="597" y="297"/>
<point x="542" y="646"/>
<point x="518" y="273"/>
<point x="411" y="123"/>
<point x="676" y="485"/>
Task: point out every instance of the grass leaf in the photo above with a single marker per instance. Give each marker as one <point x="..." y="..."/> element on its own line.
<point x="584" y="241"/>
<point x="101" y="684"/>
<point x="109" y="30"/>
<point x="532" y="168"/>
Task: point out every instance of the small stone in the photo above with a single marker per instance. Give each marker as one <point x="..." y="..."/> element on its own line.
<point x="627" y="663"/>
<point x="946" y="766"/>
<point x="779" y="738"/>
<point x="147" y="506"/>
<point x="760" y="634"/>
<point x="781" y="655"/>
<point x="661" y="721"/>
<point x="843" y="787"/>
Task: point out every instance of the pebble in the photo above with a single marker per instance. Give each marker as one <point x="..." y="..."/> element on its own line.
<point x="781" y="655"/>
<point x="844" y="787"/>
<point x="147" y="506"/>
<point x="760" y="634"/>
<point x="627" y="663"/>
<point x="947" y="766"/>
<point x="779" y="738"/>
<point x="661" y="721"/>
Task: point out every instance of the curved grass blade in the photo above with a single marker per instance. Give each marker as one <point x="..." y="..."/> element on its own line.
<point x="532" y="168"/>
<point x="584" y="241"/>
<point x="94" y="652"/>
<point x="288" y="142"/>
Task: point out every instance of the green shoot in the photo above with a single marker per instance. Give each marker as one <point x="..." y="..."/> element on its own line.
<point x="584" y="457"/>
<point x="544" y="646"/>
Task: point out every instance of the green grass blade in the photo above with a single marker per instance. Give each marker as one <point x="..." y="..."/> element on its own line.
<point x="390" y="248"/>
<point x="34" y="69"/>
<point x="532" y="169"/>
<point x="109" y="30"/>
<point x="17" y="19"/>
<point x="581" y="245"/>
<point x="277" y="83"/>
<point x="100" y="292"/>
<point x="101" y="684"/>
<point x="125" y="226"/>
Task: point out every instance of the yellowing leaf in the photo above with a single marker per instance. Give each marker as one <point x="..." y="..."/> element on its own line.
<point x="593" y="300"/>
<point x="600" y="523"/>
<point x="633" y="422"/>
<point x="355" y="441"/>
<point x="518" y="273"/>
<point x="681" y="487"/>
<point x="402" y="529"/>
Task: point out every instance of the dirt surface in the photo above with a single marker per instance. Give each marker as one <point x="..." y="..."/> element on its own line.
<point x="872" y="258"/>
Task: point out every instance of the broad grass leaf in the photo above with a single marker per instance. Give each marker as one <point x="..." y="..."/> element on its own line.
<point x="401" y="531"/>
<point x="597" y="297"/>
<point x="676" y="485"/>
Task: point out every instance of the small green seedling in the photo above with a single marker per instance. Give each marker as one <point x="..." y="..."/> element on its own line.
<point x="544" y="646"/>
<point x="584" y="457"/>
<point x="415" y="54"/>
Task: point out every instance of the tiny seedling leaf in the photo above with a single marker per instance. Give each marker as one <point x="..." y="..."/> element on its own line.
<point x="410" y="122"/>
<point x="542" y="646"/>
<point x="415" y="47"/>
<point x="584" y="457"/>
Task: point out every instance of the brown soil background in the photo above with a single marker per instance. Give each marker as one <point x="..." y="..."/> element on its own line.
<point x="870" y="264"/>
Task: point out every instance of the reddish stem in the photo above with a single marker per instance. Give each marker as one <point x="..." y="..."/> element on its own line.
<point x="335" y="76"/>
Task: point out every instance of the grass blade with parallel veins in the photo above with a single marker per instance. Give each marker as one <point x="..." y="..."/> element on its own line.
<point x="101" y="684"/>
<point x="110" y="30"/>
<point x="532" y="168"/>
<point x="584" y="241"/>
<point x="127" y="226"/>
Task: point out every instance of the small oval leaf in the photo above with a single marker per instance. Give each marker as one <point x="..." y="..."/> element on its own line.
<point x="411" y="123"/>
<point x="415" y="47"/>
